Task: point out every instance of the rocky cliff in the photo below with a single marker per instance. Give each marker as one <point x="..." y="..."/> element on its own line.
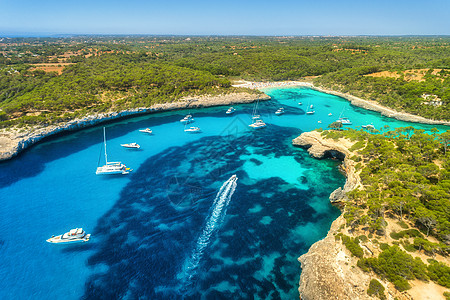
<point x="328" y="269"/>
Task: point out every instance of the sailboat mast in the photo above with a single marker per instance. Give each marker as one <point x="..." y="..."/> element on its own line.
<point x="104" y="140"/>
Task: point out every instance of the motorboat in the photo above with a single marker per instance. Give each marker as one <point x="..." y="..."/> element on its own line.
<point x="146" y="130"/>
<point x="192" y="130"/>
<point x="131" y="145"/>
<point x="187" y="119"/>
<point x="368" y="126"/>
<point x="344" y="121"/>
<point x="73" y="236"/>
<point x="230" y="111"/>
<point x="300" y="103"/>
<point x="280" y="111"/>
<point x="330" y="114"/>
<point x="111" y="168"/>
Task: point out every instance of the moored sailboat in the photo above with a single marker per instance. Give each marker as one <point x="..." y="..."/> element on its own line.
<point x="111" y="168"/>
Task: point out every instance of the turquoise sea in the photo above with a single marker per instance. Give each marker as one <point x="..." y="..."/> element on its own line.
<point x="179" y="225"/>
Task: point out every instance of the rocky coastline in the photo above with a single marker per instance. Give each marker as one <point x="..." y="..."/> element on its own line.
<point x="328" y="270"/>
<point x="356" y="101"/>
<point x="385" y="111"/>
<point x="13" y="141"/>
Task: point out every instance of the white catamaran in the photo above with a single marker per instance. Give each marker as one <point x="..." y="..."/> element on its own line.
<point x="257" y="121"/>
<point x="111" y="168"/>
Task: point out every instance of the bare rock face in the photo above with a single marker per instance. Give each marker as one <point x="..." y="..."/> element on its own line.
<point x="329" y="271"/>
<point x="319" y="147"/>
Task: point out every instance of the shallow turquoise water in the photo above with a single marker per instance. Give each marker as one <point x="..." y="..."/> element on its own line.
<point x="146" y="227"/>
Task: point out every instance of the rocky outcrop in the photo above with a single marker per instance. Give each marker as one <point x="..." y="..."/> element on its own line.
<point x="319" y="147"/>
<point x="328" y="269"/>
<point x="330" y="272"/>
<point x="13" y="141"/>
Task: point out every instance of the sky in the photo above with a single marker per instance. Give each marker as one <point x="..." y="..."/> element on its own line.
<point x="232" y="17"/>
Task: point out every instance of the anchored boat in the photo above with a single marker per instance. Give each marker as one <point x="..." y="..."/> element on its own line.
<point x="192" y="130"/>
<point x="146" y="130"/>
<point x="73" y="236"/>
<point x="131" y="145"/>
<point x="111" y="168"/>
<point x="230" y="111"/>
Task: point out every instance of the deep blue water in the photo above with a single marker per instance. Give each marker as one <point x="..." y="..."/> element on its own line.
<point x="174" y="227"/>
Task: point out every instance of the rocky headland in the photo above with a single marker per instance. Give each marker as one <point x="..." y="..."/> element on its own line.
<point x="328" y="269"/>
<point x="15" y="140"/>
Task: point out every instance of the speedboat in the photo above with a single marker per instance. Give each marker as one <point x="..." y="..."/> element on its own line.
<point x="230" y="111"/>
<point x="280" y="111"/>
<point x="188" y="119"/>
<point x="310" y="112"/>
<point x="330" y="114"/>
<point x="193" y="130"/>
<point x="111" y="168"/>
<point x="344" y="121"/>
<point x="146" y="130"/>
<point x="73" y="236"/>
<point x="131" y="145"/>
<point x="300" y="103"/>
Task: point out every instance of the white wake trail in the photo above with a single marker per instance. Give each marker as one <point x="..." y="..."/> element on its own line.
<point x="215" y="218"/>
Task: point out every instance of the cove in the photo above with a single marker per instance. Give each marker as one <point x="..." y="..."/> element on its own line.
<point x="146" y="225"/>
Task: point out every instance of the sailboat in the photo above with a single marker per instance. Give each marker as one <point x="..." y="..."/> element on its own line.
<point x="257" y="122"/>
<point x="310" y="109"/>
<point x="111" y="168"/>
<point x="344" y="120"/>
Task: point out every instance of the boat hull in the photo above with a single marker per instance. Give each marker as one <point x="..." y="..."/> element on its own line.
<point x="59" y="240"/>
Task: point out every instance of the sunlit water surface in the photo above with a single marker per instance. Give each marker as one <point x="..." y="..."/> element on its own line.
<point x="178" y="225"/>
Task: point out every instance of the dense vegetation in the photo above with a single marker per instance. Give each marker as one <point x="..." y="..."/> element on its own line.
<point x="406" y="179"/>
<point x="121" y="72"/>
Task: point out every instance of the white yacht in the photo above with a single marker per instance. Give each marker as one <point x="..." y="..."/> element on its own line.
<point x="192" y="130"/>
<point x="131" y="145"/>
<point x="230" y="111"/>
<point x="111" y="168"/>
<point x="146" y="130"/>
<point x="187" y="119"/>
<point x="280" y="111"/>
<point x="73" y="236"/>
<point x="368" y="126"/>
